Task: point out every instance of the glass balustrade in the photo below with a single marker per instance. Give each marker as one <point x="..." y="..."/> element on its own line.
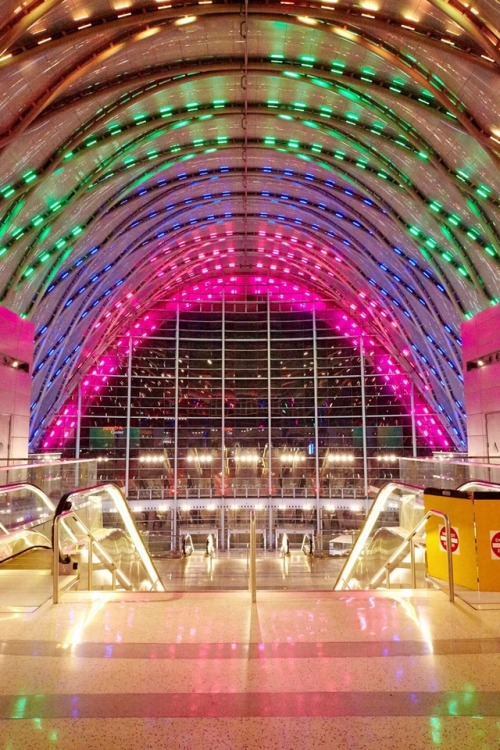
<point x="395" y="512"/>
<point x="99" y="533"/>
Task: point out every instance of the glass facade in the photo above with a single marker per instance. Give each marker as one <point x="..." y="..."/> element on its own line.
<point x="246" y="399"/>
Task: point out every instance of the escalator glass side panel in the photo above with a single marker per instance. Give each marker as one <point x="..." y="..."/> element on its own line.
<point x="23" y="506"/>
<point x="395" y="511"/>
<point x="104" y="511"/>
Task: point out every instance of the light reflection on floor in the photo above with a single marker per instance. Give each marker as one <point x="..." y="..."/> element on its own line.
<point x="351" y="670"/>
<point x="229" y="571"/>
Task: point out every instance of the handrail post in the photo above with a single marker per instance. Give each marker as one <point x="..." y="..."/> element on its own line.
<point x="55" y="563"/>
<point x="90" y="565"/>
<point x="449" y="555"/>
<point x="412" y="562"/>
<point x="253" y="561"/>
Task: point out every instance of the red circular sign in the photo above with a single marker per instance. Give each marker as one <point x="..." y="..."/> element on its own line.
<point x="495" y="544"/>
<point x="453" y="538"/>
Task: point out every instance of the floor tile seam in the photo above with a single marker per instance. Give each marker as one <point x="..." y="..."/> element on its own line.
<point x="254" y="650"/>
<point x="406" y="661"/>
<point x="489" y="644"/>
<point x="181" y="603"/>
<point x="338" y="692"/>
<point x="244" y="705"/>
<point x="389" y="594"/>
<point x="184" y="600"/>
<point x="265" y="597"/>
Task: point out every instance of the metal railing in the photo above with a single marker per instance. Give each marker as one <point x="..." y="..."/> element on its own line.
<point x="392" y="562"/>
<point x="103" y="556"/>
<point x="253" y="558"/>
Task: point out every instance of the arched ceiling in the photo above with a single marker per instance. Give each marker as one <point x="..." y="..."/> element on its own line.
<point x="348" y="147"/>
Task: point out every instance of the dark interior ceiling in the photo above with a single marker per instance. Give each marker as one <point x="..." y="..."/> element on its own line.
<point x="350" y="148"/>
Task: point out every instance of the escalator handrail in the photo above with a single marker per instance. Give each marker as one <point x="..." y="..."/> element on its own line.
<point x="62" y="506"/>
<point x="467" y="486"/>
<point x="16" y="486"/>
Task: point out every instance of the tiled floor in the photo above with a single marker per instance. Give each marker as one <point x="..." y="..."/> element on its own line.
<point x="211" y="671"/>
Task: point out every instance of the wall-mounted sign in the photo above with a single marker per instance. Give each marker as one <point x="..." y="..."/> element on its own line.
<point x="454" y="539"/>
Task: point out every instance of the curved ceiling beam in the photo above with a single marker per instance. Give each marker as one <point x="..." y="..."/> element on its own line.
<point x="24" y="16"/>
<point x="478" y="28"/>
<point x="438" y="163"/>
<point x="85" y="182"/>
<point x="378" y="48"/>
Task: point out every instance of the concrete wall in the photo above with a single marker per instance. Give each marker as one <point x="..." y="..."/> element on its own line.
<point x="481" y="341"/>
<point x="16" y="360"/>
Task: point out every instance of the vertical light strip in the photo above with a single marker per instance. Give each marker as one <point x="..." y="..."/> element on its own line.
<point x="316" y="424"/>
<point x="223" y="418"/>
<point x="176" y="427"/>
<point x="78" y="432"/>
<point x="363" y="413"/>
<point x="129" y="410"/>
<point x="78" y="419"/>
<point x="269" y="410"/>
<point x="413" y="423"/>
<point x="244" y="121"/>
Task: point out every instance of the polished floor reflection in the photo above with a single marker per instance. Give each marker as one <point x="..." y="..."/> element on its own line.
<point x="230" y="570"/>
<point x="210" y="670"/>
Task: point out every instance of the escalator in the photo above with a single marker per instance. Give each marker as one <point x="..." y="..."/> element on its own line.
<point x="395" y="512"/>
<point x="95" y="549"/>
<point x="26" y="561"/>
<point x="25" y="550"/>
<point x="382" y="554"/>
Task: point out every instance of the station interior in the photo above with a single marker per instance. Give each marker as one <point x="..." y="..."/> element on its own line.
<point x="249" y="374"/>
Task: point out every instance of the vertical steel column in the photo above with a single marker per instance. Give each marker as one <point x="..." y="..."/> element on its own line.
<point x="413" y="422"/>
<point x="363" y="413"/>
<point x="223" y="419"/>
<point x="316" y="424"/>
<point x="269" y="410"/>
<point x="90" y="565"/>
<point x="176" y="429"/>
<point x="129" y="414"/>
